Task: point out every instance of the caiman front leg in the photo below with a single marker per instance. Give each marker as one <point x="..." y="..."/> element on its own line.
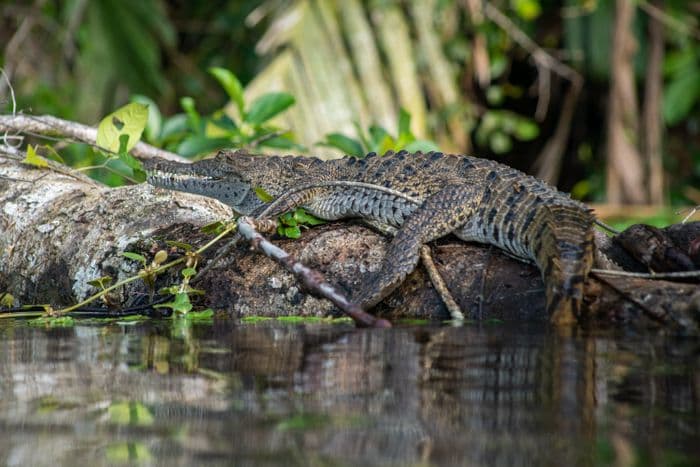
<point x="439" y="215"/>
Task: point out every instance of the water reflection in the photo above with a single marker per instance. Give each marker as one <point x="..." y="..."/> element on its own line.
<point x="186" y="394"/>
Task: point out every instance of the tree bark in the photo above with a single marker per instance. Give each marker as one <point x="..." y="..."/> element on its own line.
<point x="60" y="230"/>
<point x="625" y="174"/>
<point x="653" y="96"/>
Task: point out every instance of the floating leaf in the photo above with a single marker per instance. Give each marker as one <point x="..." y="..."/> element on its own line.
<point x="33" y="158"/>
<point x="203" y="316"/>
<point x="267" y="106"/>
<point x="129" y="120"/>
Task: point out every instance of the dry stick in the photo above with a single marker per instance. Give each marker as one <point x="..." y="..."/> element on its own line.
<point x="439" y="284"/>
<point x="649" y="275"/>
<point x="312" y="279"/>
<point x="47" y="124"/>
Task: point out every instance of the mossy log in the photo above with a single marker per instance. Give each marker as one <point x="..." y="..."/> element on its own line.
<point x="59" y="230"/>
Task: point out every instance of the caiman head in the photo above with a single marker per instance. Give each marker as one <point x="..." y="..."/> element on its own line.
<point x="215" y="177"/>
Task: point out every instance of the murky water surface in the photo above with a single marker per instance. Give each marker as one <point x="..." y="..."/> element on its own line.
<point x="159" y="393"/>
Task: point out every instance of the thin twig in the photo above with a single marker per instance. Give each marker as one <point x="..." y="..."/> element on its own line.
<point x="648" y="275"/>
<point x="607" y="227"/>
<point x="312" y="280"/>
<point x="48" y="124"/>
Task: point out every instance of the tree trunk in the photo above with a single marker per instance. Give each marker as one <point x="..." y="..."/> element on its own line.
<point x="625" y="174"/>
<point x="60" y="230"/>
<point x="653" y="89"/>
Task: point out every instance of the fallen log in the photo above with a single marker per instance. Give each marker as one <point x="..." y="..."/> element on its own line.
<point x="59" y="230"/>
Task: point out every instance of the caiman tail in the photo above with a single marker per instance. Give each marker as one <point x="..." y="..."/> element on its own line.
<point x="563" y="249"/>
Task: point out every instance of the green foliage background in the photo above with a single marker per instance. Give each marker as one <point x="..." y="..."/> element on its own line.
<point x="190" y="62"/>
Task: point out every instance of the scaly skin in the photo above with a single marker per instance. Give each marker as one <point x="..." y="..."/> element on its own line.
<point x="418" y="198"/>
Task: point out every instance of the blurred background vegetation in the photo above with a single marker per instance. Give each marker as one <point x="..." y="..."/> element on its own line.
<point x="601" y="98"/>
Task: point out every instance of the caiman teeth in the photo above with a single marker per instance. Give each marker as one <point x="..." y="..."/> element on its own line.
<point x="178" y="177"/>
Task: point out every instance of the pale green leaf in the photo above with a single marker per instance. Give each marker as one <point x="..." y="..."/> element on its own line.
<point x="129" y="120"/>
<point x="33" y="158"/>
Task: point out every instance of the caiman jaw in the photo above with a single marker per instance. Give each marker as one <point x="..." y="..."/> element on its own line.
<point x="178" y="180"/>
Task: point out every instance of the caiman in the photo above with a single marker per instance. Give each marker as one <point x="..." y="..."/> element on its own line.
<point x="418" y="198"/>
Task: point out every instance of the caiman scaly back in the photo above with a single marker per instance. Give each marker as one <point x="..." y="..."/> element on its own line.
<point x="417" y="198"/>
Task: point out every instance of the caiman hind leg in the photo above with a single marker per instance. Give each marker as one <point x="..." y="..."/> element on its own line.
<point x="433" y="273"/>
<point x="439" y="215"/>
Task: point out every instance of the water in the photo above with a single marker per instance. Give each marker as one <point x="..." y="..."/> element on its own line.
<point x="158" y="393"/>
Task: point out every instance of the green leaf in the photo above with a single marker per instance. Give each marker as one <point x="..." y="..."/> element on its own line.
<point x="302" y="217"/>
<point x="527" y="9"/>
<point x="188" y="272"/>
<point x="526" y="130"/>
<point x="500" y="142"/>
<point x="154" y="123"/>
<point x="7" y="300"/>
<point x="129" y="120"/>
<point x="52" y="154"/>
<point x="180" y="305"/>
<point x="682" y="93"/>
<point x="53" y="321"/>
<point x="288" y="219"/>
<point x="193" y="117"/>
<point x="495" y="94"/>
<point x="231" y="85"/>
<point x="212" y="228"/>
<point x="175" y="125"/>
<point x="422" y="145"/>
<point x="185" y="246"/>
<point x="267" y="106"/>
<point x="196" y="144"/>
<point x="33" y="158"/>
<point x="404" y="122"/>
<point x="346" y="144"/>
<point x="377" y="135"/>
<point x="101" y="282"/>
<point x="134" y="256"/>
<point x="292" y="232"/>
<point x="204" y="315"/>
<point x="281" y="142"/>
<point x="263" y="195"/>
